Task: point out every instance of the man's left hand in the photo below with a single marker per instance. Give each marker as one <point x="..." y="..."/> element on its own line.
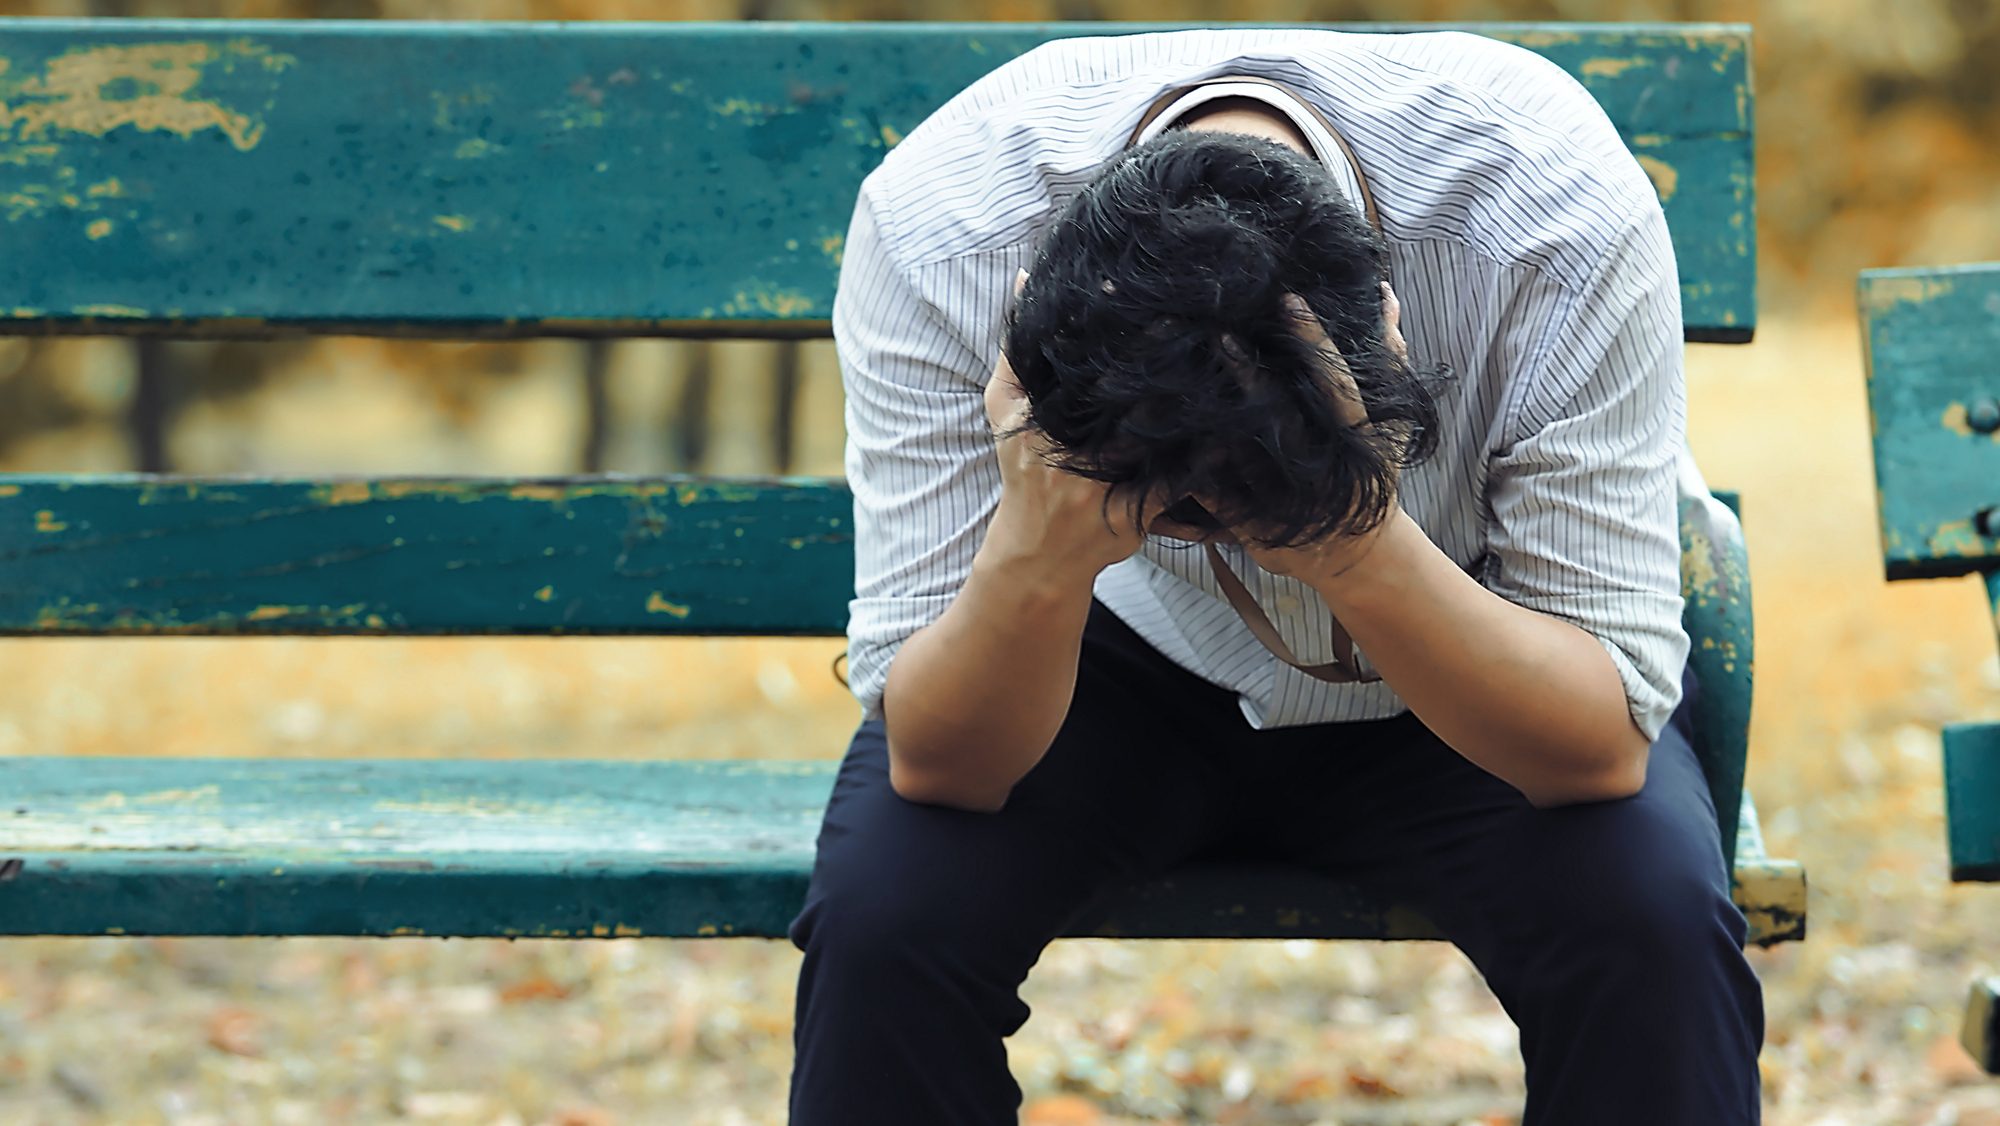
<point x="1327" y="559"/>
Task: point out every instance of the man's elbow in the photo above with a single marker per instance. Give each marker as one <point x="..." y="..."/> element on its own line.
<point x="1622" y="777"/>
<point x="952" y="789"/>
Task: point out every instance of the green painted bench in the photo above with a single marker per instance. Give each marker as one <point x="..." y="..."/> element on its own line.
<point x="1933" y="338"/>
<point x="252" y="179"/>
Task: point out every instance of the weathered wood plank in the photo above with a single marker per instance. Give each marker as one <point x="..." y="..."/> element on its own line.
<point x="1716" y="611"/>
<point x="1772" y="893"/>
<point x="245" y="178"/>
<point x="1993" y="598"/>
<point x="1933" y="339"/>
<point x="1972" y="800"/>
<point x="1980" y="1030"/>
<point x="535" y="848"/>
<point x="134" y="554"/>
<point x="147" y="555"/>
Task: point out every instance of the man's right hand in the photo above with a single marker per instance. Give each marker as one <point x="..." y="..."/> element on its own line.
<point x="974" y="699"/>
<point x="1051" y="524"/>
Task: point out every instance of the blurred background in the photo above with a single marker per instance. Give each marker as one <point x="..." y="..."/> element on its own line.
<point x="1875" y="131"/>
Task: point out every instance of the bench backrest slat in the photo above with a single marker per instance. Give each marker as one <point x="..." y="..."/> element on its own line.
<point x="243" y="178"/>
<point x="133" y="554"/>
<point x="137" y="555"/>
<point x="1933" y="345"/>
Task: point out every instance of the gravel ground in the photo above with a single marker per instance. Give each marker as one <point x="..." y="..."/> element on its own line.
<point x="1854" y="679"/>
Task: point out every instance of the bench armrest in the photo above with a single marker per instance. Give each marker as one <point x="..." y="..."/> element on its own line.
<point x="1715" y="581"/>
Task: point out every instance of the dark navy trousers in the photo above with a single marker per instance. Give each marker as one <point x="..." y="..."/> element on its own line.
<point x="1606" y="929"/>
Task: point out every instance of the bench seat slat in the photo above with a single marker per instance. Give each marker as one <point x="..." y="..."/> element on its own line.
<point x="517" y="848"/>
<point x="248" y="178"/>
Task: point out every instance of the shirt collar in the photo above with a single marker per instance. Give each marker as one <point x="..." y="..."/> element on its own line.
<point x="1327" y="146"/>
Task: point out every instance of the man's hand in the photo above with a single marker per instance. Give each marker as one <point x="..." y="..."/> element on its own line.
<point x="1327" y="559"/>
<point x="1052" y="522"/>
<point x="975" y="698"/>
<point x="1538" y="702"/>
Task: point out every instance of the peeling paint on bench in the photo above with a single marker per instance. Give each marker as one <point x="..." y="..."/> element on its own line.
<point x="568" y="179"/>
<point x="1932" y="337"/>
<point x="137" y="555"/>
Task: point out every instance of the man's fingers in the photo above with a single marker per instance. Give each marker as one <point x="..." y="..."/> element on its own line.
<point x="1352" y="411"/>
<point x="1307" y="324"/>
<point x="1006" y="403"/>
<point x="1392" y="323"/>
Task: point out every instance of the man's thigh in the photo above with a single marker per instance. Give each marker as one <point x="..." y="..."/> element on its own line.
<point x="1405" y="812"/>
<point x="1132" y="784"/>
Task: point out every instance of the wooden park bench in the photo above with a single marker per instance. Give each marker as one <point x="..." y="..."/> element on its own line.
<point x="252" y="179"/>
<point x="1933" y="338"/>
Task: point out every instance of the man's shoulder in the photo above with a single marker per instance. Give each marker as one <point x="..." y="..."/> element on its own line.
<point x="1490" y="145"/>
<point x="985" y="169"/>
<point x="1430" y="114"/>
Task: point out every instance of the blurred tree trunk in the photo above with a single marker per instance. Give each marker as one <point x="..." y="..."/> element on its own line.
<point x="648" y="383"/>
<point x="153" y="393"/>
<point x="596" y="404"/>
<point x="742" y="407"/>
<point x="690" y="422"/>
<point x="818" y="436"/>
<point x="784" y="407"/>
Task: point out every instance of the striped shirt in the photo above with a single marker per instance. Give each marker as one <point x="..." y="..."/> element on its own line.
<point x="1530" y="255"/>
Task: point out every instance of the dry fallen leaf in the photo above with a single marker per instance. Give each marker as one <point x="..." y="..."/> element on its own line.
<point x="1370" y="1086"/>
<point x="235" y="1031"/>
<point x="1309" y="1086"/>
<point x="1062" y="1110"/>
<point x="536" y="988"/>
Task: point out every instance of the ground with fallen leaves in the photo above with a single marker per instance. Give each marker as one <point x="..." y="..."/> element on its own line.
<point x="1873" y="138"/>
<point x="1854" y="679"/>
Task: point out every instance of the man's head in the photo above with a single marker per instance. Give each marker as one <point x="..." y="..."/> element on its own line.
<point x="1160" y="353"/>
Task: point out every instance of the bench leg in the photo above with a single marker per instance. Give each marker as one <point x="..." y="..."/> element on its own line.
<point x="1978" y="1033"/>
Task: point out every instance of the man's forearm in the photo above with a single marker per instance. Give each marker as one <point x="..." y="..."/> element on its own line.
<point x="975" y="698"/>
<point x="1533" y="700"/>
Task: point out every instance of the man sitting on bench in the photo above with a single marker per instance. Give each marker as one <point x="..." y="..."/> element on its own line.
<point x="1173" y="548"/>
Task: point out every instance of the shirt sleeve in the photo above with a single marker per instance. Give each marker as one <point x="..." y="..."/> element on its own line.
<point x="1584" y="498"/>
<point x="919" y="453"/>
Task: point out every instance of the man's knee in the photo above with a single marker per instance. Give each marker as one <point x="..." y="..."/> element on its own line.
<point x="1631" y="881"/>
<point x="886" y="910"/>
<point x="1660" y="918"/>
<point x="863" y="914"/>
<point x="885" y="942"/>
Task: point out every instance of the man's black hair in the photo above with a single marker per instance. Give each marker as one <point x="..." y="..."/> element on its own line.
<point x="1158" y="354"/>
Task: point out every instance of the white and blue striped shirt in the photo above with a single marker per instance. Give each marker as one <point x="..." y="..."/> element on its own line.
<point x="1530" y="254"/>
